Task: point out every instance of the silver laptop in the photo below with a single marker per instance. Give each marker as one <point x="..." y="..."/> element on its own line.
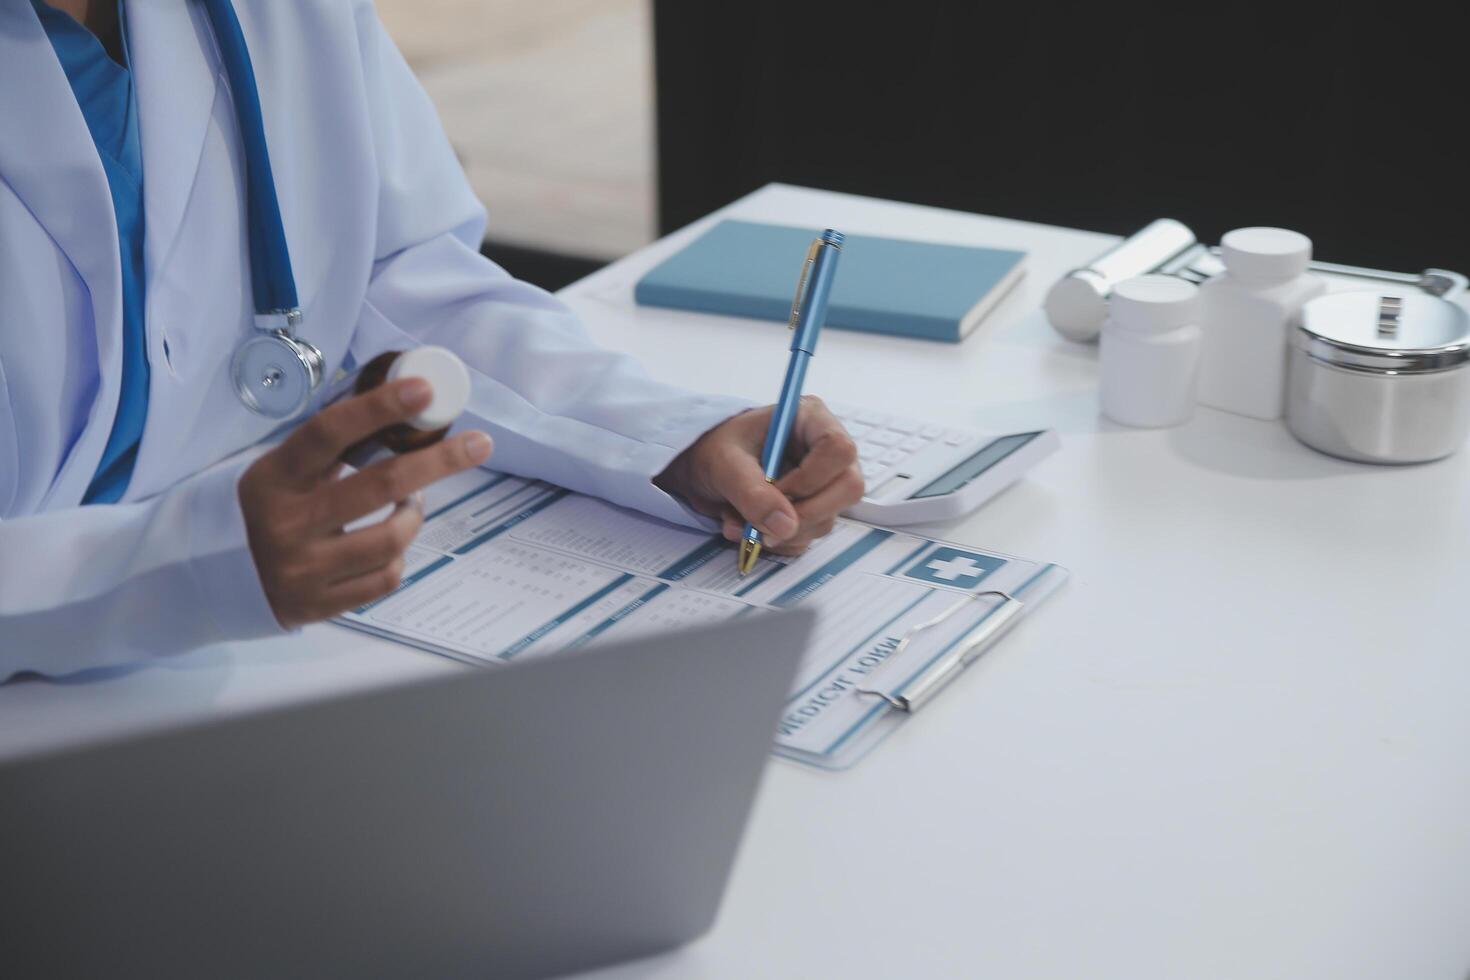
<point x="554" y="815"/>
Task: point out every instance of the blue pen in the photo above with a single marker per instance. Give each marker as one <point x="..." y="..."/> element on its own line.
<point x="808" y="310"/>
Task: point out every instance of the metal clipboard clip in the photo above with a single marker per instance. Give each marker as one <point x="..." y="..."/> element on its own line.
<point x="913" y="692"/>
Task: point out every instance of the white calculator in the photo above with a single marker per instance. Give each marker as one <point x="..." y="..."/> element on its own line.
<point x="917" y="471"/>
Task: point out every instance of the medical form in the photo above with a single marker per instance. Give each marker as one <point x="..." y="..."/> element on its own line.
<point x="507" y="568"/>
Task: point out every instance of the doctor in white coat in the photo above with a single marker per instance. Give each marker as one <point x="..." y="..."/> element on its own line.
<point x="219" y="531"/>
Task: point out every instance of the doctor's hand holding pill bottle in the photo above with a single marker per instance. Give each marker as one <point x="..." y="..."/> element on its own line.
<point x="296" y="504"/>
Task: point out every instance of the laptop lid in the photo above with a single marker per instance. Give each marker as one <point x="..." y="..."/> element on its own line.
<point x="546" y="816"/>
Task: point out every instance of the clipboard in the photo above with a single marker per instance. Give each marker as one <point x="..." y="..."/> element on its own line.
<point x="918" y="671"/>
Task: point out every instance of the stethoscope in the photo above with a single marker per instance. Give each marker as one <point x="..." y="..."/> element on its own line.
<point x="275" y="371"/>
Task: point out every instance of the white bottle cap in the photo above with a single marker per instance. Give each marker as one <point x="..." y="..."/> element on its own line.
<point x="1154" y="303"/>
<point x="1265" y="253"/>
<point x="446" y="375"/>
<point x="1077" y="304"/>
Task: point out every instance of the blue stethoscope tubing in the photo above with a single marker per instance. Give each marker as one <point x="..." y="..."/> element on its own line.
<point x="274" y="372"/>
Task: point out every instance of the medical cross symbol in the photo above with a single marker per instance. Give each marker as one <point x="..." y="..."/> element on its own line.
<point x="953" y="568"/>
<point x="958" y="567"/>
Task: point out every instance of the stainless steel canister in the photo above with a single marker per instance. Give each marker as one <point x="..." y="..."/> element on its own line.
<point x="1380" y="378"/>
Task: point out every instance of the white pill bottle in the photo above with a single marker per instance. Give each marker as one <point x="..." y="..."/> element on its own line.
<point x="1248" y="314"/>
<point x="1150" y="352"/>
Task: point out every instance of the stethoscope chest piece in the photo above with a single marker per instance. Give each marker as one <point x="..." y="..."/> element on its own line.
<point x="275" y="374"/>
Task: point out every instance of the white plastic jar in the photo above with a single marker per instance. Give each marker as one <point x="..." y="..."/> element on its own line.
<point x="1247" y="315"/>
<point x="1150" y="352"/>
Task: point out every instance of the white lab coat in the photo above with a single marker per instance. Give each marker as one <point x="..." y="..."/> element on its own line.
<point x="383" y="233"/>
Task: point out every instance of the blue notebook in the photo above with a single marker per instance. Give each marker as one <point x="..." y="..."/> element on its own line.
<point x="883" y="285"/>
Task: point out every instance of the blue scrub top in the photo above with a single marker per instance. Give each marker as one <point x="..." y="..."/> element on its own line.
<point x="104" y="91"/>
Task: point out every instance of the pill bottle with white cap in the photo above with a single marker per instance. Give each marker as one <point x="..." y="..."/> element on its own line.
<point x="1150" y="352"/>
<point x="448" y="380"/>
<point x="1248" y="314"/>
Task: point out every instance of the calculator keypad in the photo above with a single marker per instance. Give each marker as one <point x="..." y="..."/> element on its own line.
<point x="885" y="442"/>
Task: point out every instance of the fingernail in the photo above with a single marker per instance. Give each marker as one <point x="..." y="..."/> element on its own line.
<point x="415" y="393"/>
<point x="477" y="445"/>
<point x="779" y="524"/>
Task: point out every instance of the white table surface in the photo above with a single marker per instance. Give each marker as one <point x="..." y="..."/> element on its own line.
<point x="1236" y="744"/>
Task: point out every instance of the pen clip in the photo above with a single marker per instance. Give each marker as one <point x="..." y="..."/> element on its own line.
<point x="801" y="283"/>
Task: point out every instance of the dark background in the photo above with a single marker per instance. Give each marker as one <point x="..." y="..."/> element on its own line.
<point x="1343" y="122"/>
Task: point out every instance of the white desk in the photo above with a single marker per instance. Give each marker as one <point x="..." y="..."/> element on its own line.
<point x="1235" y="745"/>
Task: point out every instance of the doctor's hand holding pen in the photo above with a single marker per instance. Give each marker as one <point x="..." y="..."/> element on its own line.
<point x="721" y="476"/>
<point x="296" y="504"/>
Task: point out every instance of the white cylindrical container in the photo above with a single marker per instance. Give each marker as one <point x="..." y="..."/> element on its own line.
<point x="1247" y="316"/>
<point x="1151" y="352"/>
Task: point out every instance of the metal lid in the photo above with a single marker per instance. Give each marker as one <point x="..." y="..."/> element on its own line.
<point x="1373" y="331"/>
